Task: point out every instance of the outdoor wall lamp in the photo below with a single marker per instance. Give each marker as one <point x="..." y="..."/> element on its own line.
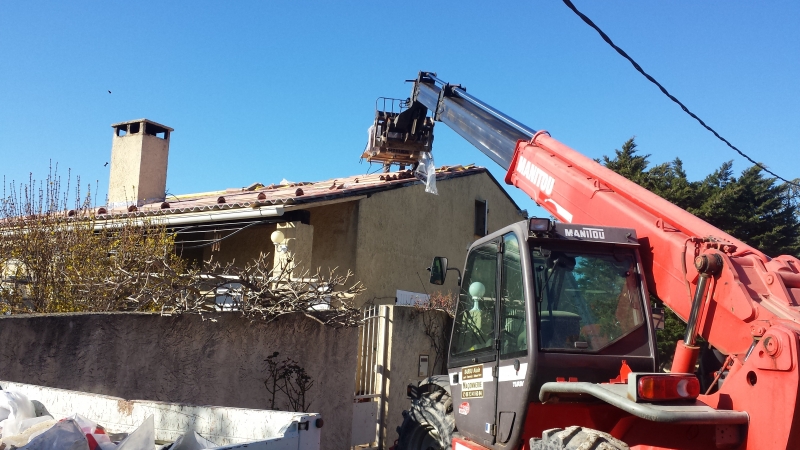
<point x="278" y="239"/>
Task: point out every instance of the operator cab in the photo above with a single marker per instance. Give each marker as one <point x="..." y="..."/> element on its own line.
<point x="542" y="301"/>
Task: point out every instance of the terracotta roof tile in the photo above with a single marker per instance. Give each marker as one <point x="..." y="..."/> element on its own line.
<point x="258" y="194"/>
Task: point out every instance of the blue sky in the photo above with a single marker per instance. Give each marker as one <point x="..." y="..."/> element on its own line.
<point x="261" y="91"/>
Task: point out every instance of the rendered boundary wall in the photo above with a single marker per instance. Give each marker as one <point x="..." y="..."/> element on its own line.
<point x="412" y="333"/>
<point x="183" y="359"/>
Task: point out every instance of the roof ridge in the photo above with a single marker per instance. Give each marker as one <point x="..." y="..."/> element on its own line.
<point x="257" y="194"/>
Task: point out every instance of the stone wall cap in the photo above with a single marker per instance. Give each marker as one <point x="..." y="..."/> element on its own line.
<point x="114" y="125"/>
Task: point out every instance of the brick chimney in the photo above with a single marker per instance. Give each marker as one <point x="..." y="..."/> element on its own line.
<point x="139" y="154"/>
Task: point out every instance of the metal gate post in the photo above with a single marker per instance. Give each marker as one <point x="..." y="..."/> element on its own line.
<point x="372" y="381"/>
<point x="384" y="358"/>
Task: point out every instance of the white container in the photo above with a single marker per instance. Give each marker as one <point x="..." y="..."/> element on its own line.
<point x="228" y="427"/>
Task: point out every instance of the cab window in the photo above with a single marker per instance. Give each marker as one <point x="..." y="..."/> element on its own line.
<point x="585" y="302"/>
<point x="473" y="330"/>
<point x="513" y="334"/>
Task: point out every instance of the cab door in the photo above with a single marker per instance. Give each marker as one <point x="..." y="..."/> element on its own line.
<point x="474" y="347"/>
<point x="513" y="389"/>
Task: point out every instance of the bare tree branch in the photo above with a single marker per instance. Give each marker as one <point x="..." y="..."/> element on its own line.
<point x="54" y="260"/>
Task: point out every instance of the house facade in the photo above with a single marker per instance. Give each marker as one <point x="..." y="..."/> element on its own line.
<point x="383" y="227"/>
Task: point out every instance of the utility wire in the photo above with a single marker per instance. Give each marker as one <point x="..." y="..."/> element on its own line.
<point x="185" y="247"/>
<point x="671" y="97"/>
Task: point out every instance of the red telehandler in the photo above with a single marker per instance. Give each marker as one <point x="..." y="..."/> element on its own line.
<point x="553" y="346"/>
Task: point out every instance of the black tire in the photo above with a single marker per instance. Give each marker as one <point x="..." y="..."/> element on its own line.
<point x="574" y="438"/>
<point x="429" y="424"/>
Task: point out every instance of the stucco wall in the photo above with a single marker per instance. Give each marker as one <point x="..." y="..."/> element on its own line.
<point x="182" y="359"/>
<point x="333" y="243"/>
<point x="243" y="246"/>
<point x="335" y="235"/>
<point x="153" y="176"/>
<point x="412" y="332"/>
<point x="400" y="231"/>
<point x="138" y="171"/>
<point x="389" y="237"/>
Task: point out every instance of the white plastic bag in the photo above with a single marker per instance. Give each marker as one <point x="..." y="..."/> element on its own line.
<point x="426" y="172"/>
<point x="370" y="139"/>
<point x="17" y="408"/>
<point x="143" y="438"/>
<point x="64" y="435"/>
<point x="29" y="430"/>
<point x="192" y="441"/>
<point x="87" y="425"/>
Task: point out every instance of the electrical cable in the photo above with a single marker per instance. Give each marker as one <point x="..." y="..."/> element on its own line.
<point x="423" y="285"/>
<point x="222" y="238"/>
<point x="216" y="226"/>
<point x="636" y="65"/>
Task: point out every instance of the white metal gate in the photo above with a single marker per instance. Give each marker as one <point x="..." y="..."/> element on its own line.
<point x="370" y="385"/>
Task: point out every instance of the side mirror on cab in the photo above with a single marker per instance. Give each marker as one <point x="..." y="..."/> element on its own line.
<point x="438" y="270"/>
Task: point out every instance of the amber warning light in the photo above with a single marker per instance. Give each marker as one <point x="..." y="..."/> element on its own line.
<point x="658" y="387"/>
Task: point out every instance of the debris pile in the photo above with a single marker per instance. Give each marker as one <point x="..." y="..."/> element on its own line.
<point x="27" y="425"/>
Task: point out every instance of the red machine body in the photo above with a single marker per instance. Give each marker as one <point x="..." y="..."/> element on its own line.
<point x="751" y="311"/>
<point x="741" y="301"/>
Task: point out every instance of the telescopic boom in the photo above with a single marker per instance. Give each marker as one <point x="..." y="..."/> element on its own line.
<point x="744" y="303"/>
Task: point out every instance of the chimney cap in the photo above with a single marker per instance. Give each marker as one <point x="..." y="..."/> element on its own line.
<point x="115" y="125"/>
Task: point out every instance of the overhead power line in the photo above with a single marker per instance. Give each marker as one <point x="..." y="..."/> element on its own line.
<point x="671" y="97"/>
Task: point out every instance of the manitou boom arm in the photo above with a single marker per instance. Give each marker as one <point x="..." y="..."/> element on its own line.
<point x="576" y="189"/>
<point x="744" y="303"/>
